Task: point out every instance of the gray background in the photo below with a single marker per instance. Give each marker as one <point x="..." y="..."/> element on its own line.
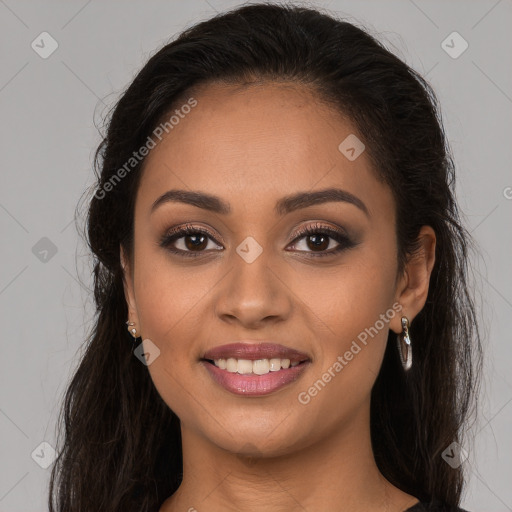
<point x="48" y="137"/>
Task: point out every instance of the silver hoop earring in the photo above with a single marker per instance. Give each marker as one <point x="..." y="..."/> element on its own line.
<point x="404" y="345"/>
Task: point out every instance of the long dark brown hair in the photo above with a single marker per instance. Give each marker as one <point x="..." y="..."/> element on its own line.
<point x="120" y="444"/>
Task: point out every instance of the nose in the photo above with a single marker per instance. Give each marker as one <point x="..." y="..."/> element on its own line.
<point x="254" y="294"/>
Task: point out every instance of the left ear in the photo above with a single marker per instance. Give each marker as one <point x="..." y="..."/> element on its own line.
<point x="412" y="289"/>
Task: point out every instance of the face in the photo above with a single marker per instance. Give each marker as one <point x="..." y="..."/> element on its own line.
<point x="249" y="274"/>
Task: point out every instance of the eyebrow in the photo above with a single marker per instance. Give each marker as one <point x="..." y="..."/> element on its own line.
<point x="284" y="206"/>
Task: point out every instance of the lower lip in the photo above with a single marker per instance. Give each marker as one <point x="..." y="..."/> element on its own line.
<point x="255" y="385"/>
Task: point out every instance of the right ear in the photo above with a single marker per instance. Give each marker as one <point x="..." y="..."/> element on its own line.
<point x="129" y="292"/>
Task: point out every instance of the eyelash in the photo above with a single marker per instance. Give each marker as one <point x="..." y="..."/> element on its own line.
<point x="315" y="229"/>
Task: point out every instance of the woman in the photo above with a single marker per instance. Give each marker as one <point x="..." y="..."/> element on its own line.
<point x="274" y="221"/>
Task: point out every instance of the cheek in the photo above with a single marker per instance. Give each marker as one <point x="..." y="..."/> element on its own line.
<point x="350" y="297"/>
<point x="352" y="308"/>
<point x="169" y="307"/>
<point x="169" y="295"/>
<point x="355" y="312"/>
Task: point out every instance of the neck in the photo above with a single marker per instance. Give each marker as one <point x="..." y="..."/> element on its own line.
<point x="337" y="473"/>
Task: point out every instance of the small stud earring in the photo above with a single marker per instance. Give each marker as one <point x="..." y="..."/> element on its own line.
<point x="132" y="329"/>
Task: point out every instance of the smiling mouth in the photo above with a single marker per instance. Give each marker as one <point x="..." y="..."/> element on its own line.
<point x="253" y="367"/>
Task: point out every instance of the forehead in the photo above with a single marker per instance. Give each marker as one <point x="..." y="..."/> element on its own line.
<point x="254" y="142"/>
<point x="263" y="123"/>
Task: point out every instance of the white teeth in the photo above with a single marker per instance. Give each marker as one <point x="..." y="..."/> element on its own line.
<point x="244" y="366"/>
<point x="275" y="365"/>
<point x="260" y="366"/>
<point x="257" y="367"/>
<point x="231" y="365"/>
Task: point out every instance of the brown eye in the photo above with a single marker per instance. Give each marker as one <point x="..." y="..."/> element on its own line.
<point x="318" y="242"/>
<point x="321" y="241"/>
<point x="188" y="241"/>
<point x="193" y="242"/>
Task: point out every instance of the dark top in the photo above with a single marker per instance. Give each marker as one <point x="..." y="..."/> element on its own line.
<point x="423" y="506"/>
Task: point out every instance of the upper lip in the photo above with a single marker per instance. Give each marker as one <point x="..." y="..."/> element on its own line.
<point x="254" y="351"/>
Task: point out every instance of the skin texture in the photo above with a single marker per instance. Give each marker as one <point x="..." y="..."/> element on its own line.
<point x="251" y="146"/>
